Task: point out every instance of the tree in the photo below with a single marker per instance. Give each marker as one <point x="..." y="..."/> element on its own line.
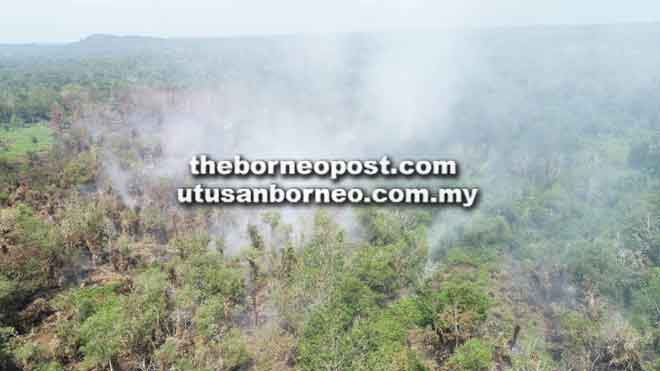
<point x="474" y="355"/>
<point x="102" y="335"/>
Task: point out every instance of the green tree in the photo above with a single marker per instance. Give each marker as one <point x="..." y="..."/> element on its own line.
<point x="474" y="355"/>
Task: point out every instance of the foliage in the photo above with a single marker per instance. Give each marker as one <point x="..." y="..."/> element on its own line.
<point x="557" y="269"/>
<point x="81" y="170"/>
<point x="6" y="355"/>
<point x="646" y="304"/>
<point x="474" y="355"/>
<point x="101" y="334"/>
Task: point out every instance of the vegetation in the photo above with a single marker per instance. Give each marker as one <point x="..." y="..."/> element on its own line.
<point x="557" y="269"/>
<point x="19" y="143"/>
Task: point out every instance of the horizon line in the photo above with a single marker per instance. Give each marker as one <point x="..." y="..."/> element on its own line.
<point x="239" y="35"/>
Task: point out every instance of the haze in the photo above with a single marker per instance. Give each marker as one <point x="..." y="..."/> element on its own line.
<point x="44" y="21"/>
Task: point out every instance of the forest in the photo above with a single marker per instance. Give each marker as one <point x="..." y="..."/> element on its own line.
<point x="556" y="268"/>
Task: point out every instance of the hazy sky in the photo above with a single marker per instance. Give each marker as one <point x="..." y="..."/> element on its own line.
<point x="69" y="20"/>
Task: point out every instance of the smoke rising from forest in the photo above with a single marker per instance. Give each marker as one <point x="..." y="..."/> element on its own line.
<point x="346" y="97"/>
<point x="556" y="126"/>
<point x="407" y="95"/>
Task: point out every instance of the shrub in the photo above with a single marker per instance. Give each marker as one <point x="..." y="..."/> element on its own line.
<point x="474" y="355"/>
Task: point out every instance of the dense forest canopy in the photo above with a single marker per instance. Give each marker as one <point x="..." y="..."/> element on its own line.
<point x="558" y="268"/>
